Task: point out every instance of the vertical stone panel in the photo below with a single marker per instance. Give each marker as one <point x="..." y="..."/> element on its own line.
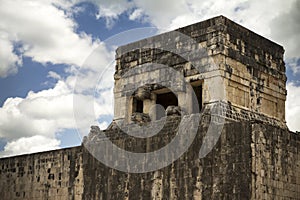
<point x="276" y="163"/>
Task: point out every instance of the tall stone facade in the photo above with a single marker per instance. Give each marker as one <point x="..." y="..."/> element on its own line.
<point x="251" y="160"/>
<point x="255" y="156"/>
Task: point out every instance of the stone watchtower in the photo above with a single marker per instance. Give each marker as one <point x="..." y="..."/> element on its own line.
<point x="219" y="59"/>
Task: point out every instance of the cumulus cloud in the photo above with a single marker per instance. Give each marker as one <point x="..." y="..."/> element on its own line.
<point x="110" y="10"/>
<point x="37" y="114"/>
<point x="293" y="107"/>
<point x="44" y="32"/>
<point x="136" y="14"/>
<point x="54" y="75"/>
<point x="48" y="112"/>
<point x="294" y="65"/>
<point x="97" y="66"/>
<point x="9" y="60"/>
<point x="51" y="111"/>
<point x="279" y="22"/>
<point x="252" y="14"/>
<point x="161" y="13"/>
<point x="285" y="28"/>
<point x="32" y="144"/>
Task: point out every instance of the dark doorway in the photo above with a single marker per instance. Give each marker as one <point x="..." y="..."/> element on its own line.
<point x="138" y="105"/>
<point x="167" y="99"/>
<point x="198" y="101"/>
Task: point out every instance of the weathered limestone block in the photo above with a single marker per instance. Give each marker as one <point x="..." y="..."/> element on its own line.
<point x="140" y="117"/>
<point x="173" y="110"/>
<point x="143" y="93"/>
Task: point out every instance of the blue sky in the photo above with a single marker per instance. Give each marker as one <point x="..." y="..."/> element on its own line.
<point x="44" y="44"/>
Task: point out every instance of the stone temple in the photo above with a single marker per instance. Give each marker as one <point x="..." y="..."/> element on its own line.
<point x="215" y="90"/>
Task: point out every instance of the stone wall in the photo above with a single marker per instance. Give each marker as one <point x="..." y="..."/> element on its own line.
<point x="52" y="175"/>
<point x="251" y="160"/>
<point x="275" y="163"/>
<point x="225" y="173"/>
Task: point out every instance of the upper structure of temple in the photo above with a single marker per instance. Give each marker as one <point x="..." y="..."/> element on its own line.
<point x="220" y="60"/>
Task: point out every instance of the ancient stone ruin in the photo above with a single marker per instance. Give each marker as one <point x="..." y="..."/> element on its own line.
<point x="215" y="85"/>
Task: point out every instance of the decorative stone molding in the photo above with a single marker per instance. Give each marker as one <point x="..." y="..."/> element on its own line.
<point x="233" y="113"/>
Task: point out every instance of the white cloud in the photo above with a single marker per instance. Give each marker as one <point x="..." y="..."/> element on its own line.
<point x="46" y="34"/>
<point x="110" y="10"/>
<point x="293" y="107"/>
<point x="23" y="121"/>
<point x="31" y="144"/>
<point x="161" y="13"/>
<point x="252" y="14"/>
<point x="136" y="14"/>
<point x="50" y="111"/>
<point x="277" y="20"/>
<point x="54" y="75"/>
<point x="293" y="64"/>
<point x="97" y="66"/>
<point x="41" y="113"/>
<point x="9" y="60"/>
<point x="285" y="28"/>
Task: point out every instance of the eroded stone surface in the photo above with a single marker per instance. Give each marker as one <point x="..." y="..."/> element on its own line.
<point x="250" y="161"/>
<point x="48" y="175"/>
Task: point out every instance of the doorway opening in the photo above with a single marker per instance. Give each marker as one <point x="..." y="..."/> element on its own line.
<point x="164" y="98"/>
<point x="197" y="99"/>
<point x="167" y="99"/>
<point x="138" y="106"/>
